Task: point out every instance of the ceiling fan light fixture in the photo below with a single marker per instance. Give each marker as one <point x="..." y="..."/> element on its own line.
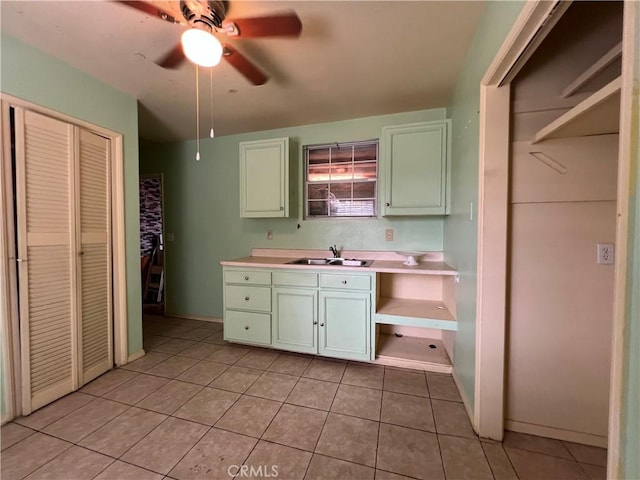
<point x="201" y="47"/>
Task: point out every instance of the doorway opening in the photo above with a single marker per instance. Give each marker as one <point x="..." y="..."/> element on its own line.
<point x="152" y="244"/>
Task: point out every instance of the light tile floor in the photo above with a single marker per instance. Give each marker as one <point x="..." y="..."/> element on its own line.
<point x="197" y="408"/>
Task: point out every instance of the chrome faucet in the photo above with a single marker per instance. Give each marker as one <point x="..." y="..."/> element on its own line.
<point x="334" y="250"/>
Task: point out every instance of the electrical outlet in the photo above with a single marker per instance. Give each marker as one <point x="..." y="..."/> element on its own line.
<point x="605" y="253"/>
<point x="388" y="235"/>
<point x="269" y="235"/>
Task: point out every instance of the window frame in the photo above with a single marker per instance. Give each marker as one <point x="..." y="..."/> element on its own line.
<point x="352" y="181"/>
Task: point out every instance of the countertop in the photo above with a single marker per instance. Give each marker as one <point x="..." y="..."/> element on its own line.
<point x="383" y="262"/>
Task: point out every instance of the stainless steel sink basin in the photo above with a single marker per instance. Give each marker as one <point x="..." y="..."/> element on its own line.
<point x="346" y="262"/>
<point x="310" y="261"/>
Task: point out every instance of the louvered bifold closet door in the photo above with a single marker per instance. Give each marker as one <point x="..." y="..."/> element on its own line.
<point x="94" y="267"/>
<point x="46" y="270"/>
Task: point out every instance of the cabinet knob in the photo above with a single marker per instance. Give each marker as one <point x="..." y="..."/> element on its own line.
<point x="246" y="327"/>
<point x="322" y="324"/>
<point x="387" y="204"/>
<point x="246" y="277"/>
<point x="281" y="208"/>
<point x="344" y="282"/>
<point x="246" y="299"/>
<point x="315" y="323"/>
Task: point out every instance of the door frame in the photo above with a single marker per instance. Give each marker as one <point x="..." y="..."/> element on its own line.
<point x="535" y="21"/>
<point x="10" y="345"/>
<point x="164" y="237"/>
<point x="531" y="27"/>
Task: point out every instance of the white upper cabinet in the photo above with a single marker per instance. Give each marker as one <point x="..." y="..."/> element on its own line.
<point x="416" y="168"/>
<point x="264" y="178"/>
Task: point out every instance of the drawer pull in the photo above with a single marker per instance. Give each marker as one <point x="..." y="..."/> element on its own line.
<point x="246" y="327"/>
<point x="246" y="299"/>
<point x="246" y="277"/>
<point x="322" y="324"/>
<point x="344" y="282"/>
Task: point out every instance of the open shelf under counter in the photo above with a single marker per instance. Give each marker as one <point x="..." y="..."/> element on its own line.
<point x="414" y="322"/>
<point x="412" y="352"/>
<point x="415" y="313"/>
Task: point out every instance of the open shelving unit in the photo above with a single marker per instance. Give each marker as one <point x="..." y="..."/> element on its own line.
<point x="598" y="114"/>
<point x="416" y="313"/>
<point x="415" y="319"/>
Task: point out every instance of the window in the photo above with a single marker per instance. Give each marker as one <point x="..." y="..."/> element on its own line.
<point x="341" y="179"/>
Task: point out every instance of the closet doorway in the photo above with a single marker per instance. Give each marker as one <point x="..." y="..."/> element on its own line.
<point x="64" y="315"/>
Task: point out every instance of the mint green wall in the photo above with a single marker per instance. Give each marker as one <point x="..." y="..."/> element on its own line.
<point x="29" y="74"/>
<point x="630" y="441"/>
<point x="630" y="444"/>
<point x="460" y="233"/>
<point x="202" y="210"/>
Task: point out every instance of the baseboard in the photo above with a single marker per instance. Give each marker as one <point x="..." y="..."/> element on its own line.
<point x="5" y="418"/>
<point x="557" y="433"/>
<point x="135" y="356"/>
<point x="465" y="401"/>
<point x="194" y="317"/>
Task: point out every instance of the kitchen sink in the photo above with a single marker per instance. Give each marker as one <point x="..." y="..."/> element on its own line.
<point x="310" y="261"/>
<point x="345" y="262"/>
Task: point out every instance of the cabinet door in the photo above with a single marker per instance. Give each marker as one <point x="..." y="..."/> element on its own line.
<point x="295" y="320"/>
<point x="344" y="325"/>
<point x="47" y="258"/>
<point x="264" y="178"/>
<point x="416" y="168"/>
<point x="93" y="236"/>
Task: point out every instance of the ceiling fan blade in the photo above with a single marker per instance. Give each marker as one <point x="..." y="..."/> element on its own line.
<point x="283" y="25"/>
<point x="148" y="9"/>
<point x="173" y="58"/>
<point x="243" y="65"/>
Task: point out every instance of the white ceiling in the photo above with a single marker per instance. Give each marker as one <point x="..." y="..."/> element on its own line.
<point x="353" y="59"/>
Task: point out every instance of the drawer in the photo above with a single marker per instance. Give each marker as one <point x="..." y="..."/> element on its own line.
<point x="345" y="282"/>
<point x="295" y="279"/>
<point x="247" y="327"/>
<point x="245" y="297"/>
<point x="251" y="277"/>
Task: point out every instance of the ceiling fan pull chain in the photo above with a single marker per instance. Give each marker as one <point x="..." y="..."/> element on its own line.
<point x="211" y="134"/>
<point x="197" y="115"/>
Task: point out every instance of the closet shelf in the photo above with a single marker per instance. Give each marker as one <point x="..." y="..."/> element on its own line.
<point x="602" y="63"/>
<point x="599" y="114"/>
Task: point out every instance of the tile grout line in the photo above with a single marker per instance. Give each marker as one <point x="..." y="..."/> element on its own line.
<point x="313" y="453"/>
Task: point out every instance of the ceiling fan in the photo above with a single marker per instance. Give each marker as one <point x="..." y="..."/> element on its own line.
<point x="206" y="17"/>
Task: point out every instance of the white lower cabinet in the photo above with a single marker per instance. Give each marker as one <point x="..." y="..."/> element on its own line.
<point x="295" y="319"/>
<point x="344" y="325"/>
<point x="247" y="306"/>
<point x="309" y="312"/>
